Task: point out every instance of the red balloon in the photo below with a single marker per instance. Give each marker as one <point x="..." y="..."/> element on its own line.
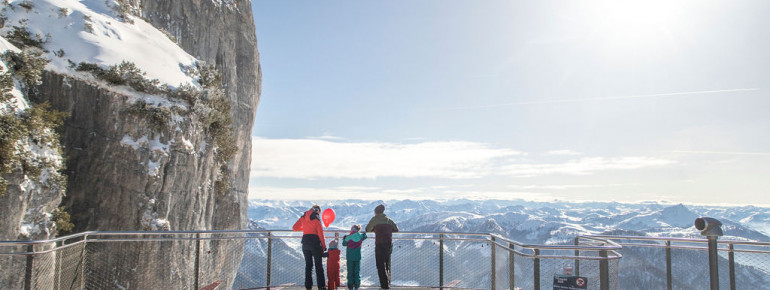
<point x="328" y="217"/>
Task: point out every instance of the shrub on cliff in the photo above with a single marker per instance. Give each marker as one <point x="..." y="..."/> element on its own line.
<point x="28" y="65"/>
<point x="37" y="124"/>
<point x="6" y="85"/>
<point x="125" y="73"/>
<point x="61" y="219"/>
<point x="22" y="38"/>
<point x="185" y="92"/>
<point x="209" y="76"/>
<point x="158" y="117"/>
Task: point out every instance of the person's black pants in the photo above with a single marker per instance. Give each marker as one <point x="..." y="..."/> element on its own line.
<point x="382" y="259"/>
<point x="313" y="253"/>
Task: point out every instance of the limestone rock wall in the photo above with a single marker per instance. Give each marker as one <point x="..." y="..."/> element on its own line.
<point x="223" y="33"/>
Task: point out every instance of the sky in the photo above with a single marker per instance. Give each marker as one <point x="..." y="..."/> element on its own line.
<point x="627" y="101"/>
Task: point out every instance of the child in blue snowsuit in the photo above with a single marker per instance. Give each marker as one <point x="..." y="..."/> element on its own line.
<point x="353" y="242"/>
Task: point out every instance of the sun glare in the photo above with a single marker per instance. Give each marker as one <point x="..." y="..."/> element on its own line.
<point x="631" y="28"/>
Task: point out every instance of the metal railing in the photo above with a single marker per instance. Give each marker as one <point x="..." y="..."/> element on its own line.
<point x="265" y="259"/>
<point x="682" y="263"/>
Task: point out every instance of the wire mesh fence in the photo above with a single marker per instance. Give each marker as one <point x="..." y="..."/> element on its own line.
<point x="260" y="259"/>
<point x="502" y="261"/>
<point x="13" y="269"/>
<point x="71" y="262"/>
<point x="679" y="263"/>
<point x="414" y="261"/>
<point x="752" y="266"/>
<point x="134" y="265"/>
<point x="467" y="262"/>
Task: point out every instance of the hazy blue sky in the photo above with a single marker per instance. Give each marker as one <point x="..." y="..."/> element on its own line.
<point x="571" y="100"/>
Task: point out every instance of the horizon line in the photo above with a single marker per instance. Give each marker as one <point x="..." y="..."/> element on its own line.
<point x="658" y="202"/>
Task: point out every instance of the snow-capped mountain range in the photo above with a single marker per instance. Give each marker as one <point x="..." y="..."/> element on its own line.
<point x="528" y="222"/>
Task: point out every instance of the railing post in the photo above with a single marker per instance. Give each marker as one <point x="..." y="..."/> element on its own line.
<point x="28" y="272"/>
<point x="713" y="263"/>
<point x="511" y="267"/>
<point x="441" y="261"/>
<point x="197" y="260"/>
<point x="536" y="270"/>
<point x="492" y="255"/>
<point x="269" y="257"/>
<point x="669" y="279"/>
<point x="604" y="271"/>
<point x="577" y="257"/>
<point x="731" y="257"/>
<point x="57" y="265"/>
<point x="83" y="262"/>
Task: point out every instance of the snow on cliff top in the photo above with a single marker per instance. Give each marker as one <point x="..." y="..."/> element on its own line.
<point x="17" y="103"/>
<point x="5" y="45"/>
<point x="91" y="31"/>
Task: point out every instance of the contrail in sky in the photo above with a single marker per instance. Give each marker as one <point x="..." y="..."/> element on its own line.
<point x="561" y="101"/>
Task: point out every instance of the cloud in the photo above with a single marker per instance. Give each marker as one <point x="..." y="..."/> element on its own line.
<point x="563" y="152"/>
<point x="362" y="193"/>
<point x="332" y="193"/>
<point x="739" y="153"/>
<point x="317" y="159"/>
<point x="326" y="137"/>
<point x="503" y="195"/>
<point x="310" y="159"/>
<point x="562" y="186"/>
<point x="583" y="166"/>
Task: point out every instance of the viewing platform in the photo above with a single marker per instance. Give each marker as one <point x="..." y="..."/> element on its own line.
<point x="273" y="260"/>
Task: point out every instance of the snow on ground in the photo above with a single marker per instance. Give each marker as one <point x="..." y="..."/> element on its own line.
<point x="187" y="145"/>
<point x="136" y="144"/>
<point x="159" y="147"/>
<point x="154" y="145"/>
<point x="91" y="31"/>
<point x="17" y="103"/>
<point x="5" y="45"/>
<point x="153" y="168"/>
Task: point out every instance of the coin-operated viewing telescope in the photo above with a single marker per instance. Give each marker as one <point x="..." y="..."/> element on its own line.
<point x="712" y="229"/>
<point x="709" y="226"/>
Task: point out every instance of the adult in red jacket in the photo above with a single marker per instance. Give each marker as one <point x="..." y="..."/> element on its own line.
<point x="313" y="245"/>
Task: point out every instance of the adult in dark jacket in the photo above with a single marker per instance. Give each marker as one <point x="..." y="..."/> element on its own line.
<point x="313" y="245"/>
<point x="383" y="228"/>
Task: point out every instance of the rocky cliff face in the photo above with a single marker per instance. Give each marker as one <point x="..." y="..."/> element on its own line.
<point x="221" y="32"/>
<point x="110" y="187"/>
<point x="31" y="184"/>
<point x="149" y="160"/>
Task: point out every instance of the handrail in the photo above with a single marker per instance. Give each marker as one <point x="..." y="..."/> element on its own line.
<point x="682" y="240"/>
<point x="94" y="236"/>
<point x="87" y="233"/>
<point x="693" y="240"/>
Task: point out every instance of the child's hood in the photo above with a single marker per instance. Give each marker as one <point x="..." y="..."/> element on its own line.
<point x="356" y="237"/>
